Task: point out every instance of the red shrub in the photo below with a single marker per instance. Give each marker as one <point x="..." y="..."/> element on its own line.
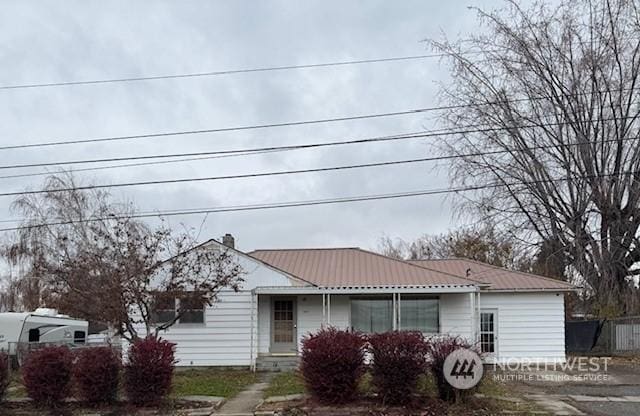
<point x="149" y="370"/>
<point x="399" y="358"/>
<point x="96" y="374"/>
<point x="439" y="348"/>
<point x="4" y="373"/>
<point x="47" y="375"/>
<point x="332" y="362"/>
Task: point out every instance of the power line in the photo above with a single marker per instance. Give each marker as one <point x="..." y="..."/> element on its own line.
<point x="219" y="130"/>
<point x="224" y="72"/>
<point x="273" y="149"/>
<point x="285" y="124"/>
<point x="289" y="204"/>
<point x="215" y="178"/>
<point x="265" y="149"/>
<point x="125" y="165"/>
<point x="298" y="171"/>
<point x="225" y="152"/>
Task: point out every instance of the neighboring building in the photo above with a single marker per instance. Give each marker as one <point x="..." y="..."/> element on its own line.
<point x="289" y="293"/>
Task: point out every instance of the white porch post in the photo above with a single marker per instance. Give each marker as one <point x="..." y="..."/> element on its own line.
<point x="475" y="310"/>
<point x="324" y="312"/>
<point x="252" y="361"/>
<point x="478" y="313"/>
<point x="394" y="310"/>
<point x="328" y="309"/>
<point x="399" y="311"/>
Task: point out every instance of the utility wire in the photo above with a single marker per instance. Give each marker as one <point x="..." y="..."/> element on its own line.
<point x="215" y="178"/>
<point x="218" y="130"/>
<point x="126" y="165"/>
<point x="245" y="151"/>
<point x="231" y="151"/>
<point x="289" y="204"/>
<point x="225" y="72"/>
<point x="285" y="124"/>
<point x="298" y="171"/>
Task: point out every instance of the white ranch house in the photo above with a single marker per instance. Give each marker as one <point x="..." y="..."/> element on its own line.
<point x="289" y="293"/>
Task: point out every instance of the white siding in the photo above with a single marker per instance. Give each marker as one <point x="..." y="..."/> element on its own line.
<point x="257" y="274"/>
<point x="530" y="325"/>
<point x="456" y="315"/>
<point x="223" y="340"/>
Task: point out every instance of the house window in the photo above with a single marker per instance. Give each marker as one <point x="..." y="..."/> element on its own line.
<point x="419" y="313"/>
<point x="164" y="308"/>
<point x="167" y="306"/>
<point x="371" y="315"/>
<point x="192" y="311"/>
<point x="487" y="333"/>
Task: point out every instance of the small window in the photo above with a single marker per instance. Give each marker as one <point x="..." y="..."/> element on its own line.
<point x="34" y="335"/>
<point x="487" y="333"/>
<point x="79" y="337"/>
<point x="192" y="311"/>
<point x="164" y="307"/>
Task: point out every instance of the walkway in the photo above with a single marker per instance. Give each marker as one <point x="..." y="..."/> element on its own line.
<point x="245" y="402"/>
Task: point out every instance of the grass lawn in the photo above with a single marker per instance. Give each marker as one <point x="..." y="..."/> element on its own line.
<point x="286" y="383"/>
<point x="211" y="382"/>
<point x="192" y="382"/>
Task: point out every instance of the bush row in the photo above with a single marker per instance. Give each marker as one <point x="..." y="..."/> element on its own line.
<point x="50" y="373"/>
<point x="333" y="361"/>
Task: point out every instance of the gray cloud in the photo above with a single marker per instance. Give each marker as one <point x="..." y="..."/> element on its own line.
<point x="53" y="41"/>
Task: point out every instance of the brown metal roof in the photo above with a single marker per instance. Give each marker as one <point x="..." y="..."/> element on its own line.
<point x="354" y="267"/>
<point x="498" y="277"/>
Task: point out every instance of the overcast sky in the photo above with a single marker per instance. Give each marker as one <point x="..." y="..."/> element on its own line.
<point x="65" y="41"/>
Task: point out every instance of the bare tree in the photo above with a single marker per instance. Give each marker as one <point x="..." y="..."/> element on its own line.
<point x="556" y="91"/>
<point x="91" y="259"/>
<point x="480" y="242"/>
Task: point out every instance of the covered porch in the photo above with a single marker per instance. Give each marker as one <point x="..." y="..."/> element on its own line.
<point x="282" y="316"/>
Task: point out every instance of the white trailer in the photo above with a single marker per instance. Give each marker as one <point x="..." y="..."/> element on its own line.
<point x="41" y="326"/>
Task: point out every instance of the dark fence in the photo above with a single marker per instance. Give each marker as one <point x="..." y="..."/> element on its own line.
<point x="581" y="336"/>
<point x="618" y="336"/>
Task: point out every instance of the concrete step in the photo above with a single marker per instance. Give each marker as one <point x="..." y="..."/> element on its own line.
<point x="277" y="363"/>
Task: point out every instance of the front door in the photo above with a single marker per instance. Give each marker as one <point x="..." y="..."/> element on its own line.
<point x="489" y="334"/>
<point x="283" y="326"/>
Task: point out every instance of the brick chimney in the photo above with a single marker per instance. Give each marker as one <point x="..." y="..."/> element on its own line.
<point x="229" y="241"/>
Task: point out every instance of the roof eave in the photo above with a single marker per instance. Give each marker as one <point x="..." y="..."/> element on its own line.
<point x="565" y="289"/>
<point x="348" y="290"/>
